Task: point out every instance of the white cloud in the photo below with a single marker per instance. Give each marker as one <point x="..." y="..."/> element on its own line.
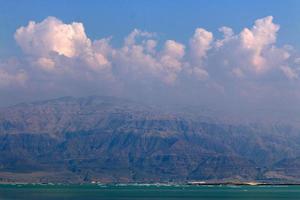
<point x="140" y="59"/>
<point x="174" y="49"/>
<point x="257" y="40"/>
<point x="200" y="43"/>
<point x="201" y="74"/>
<point x="61" y="55"/>
<point x="227" y="31"/>
<point x="12" y="74"/>
<point x="251" y="52"/>
<point x="289" y="72"/>
<point x="46" y="64"/>
<point x="150" y="46"/>
<point x="171" y="60"/>
<point x="55" y="46"/>
<point x="131" y="38"/>
<point x="238" y="72"/>
<point x="227" y="34"/>
<point x="51" y="38"/>
<point x="9" y="79"/>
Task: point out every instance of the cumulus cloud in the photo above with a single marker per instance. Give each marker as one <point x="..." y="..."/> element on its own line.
<point x="289" y="72"/>
<point x="51" y="39"/>
<point x="258" y="39"/>
<point x="141" y="58"/>
<point x="131" y="38"/>
<point x="11" y="75"/>
<point x="45" y="63"/>
<point x="61" y="55"/>
<point x="7" y="79"/>
<point x="171" y="60"/>
<point x="227" y="35"/>
<point x="52" y="36"/>
<point x="252" y="52"/>
<point x="55" y="46"/>
<point x="200" y="43"/>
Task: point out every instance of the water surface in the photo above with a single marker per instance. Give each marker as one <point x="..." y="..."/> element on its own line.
<point x="125" y="192"/>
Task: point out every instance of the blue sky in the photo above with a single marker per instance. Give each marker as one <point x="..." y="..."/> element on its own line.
<point x="175" y="19"/>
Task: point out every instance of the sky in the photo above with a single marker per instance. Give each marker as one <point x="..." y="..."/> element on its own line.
<point x="229" y="54"/>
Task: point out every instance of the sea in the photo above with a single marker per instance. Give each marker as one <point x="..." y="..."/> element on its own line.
<point x="146" y="192"/>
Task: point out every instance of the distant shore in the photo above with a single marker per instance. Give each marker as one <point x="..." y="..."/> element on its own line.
<point x="241" y="183"/>
<point x="195" y="183"/>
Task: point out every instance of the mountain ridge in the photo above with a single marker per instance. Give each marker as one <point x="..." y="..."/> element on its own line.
<point x="109" y="139"/>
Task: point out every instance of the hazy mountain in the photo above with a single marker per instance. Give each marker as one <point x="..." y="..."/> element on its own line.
<point x="115" y="140"/>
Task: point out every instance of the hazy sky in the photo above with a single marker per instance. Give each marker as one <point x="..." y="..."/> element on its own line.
<point x="225" y="53"/>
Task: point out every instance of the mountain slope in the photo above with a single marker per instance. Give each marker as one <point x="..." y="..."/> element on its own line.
<point x="116" y="140"/>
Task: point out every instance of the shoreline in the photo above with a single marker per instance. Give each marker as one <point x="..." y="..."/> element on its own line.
<point x="151" y="184"/>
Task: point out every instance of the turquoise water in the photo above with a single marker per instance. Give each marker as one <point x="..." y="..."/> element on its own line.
<point x="98" y="192"/>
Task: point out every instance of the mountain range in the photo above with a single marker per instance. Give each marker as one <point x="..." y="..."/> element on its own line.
<point x="109" y="139"/>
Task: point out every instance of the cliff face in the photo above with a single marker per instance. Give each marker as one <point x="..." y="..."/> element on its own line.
<point x="115" y="140"/>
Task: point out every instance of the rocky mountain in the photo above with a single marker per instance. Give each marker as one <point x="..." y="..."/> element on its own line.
<point x="109" y="139"/>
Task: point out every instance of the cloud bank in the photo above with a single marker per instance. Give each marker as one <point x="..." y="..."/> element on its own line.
<point x="246" y="67"/>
